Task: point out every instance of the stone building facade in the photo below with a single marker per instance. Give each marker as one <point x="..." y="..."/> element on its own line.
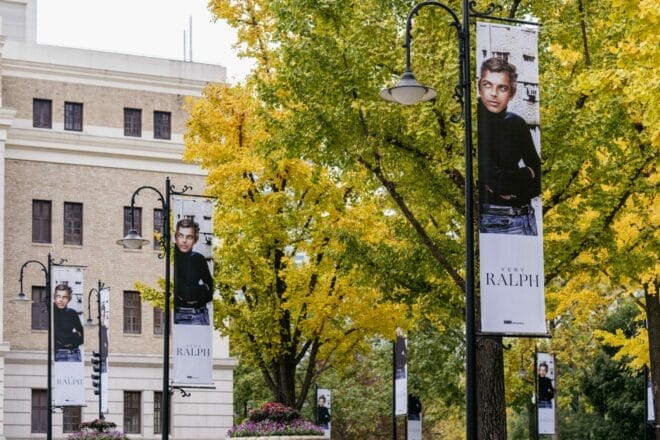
<point x="93" y="158"/>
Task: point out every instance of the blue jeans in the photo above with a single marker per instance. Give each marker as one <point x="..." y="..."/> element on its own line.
<point x="68" y="355"/>
<point x="496" y="219"/>
<point x="191" y="316"/>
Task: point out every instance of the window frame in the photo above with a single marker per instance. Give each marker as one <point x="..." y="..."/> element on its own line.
<point x="38" y="411"/>
<point x="71" y="238"/>
<point x="132" y="122"/>
<point x="136" y="222"/>
<point x="162" y="125"/>
<point x="73" y="116"/>
<point x="42" y="224"/>
<point x="42" y="113"/>
<point x="39" y="314"/>
<point x="132" y="308"/>
<point x="71" y="419"/>
<point x="159" y="321"/>
<point x="132" y="412"/>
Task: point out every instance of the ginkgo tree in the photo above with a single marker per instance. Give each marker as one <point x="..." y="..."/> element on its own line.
<point x="293" y="237"/>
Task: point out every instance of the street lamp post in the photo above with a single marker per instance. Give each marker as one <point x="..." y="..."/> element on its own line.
<point x="46" y="269"/>
<point x="133" y="240"/>
<point x="409" y="91"/>
<point x="90" y="323"/>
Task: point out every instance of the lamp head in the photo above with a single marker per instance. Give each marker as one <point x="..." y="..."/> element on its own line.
<point x="21" y="297"/>
<point x="408" y="91"/>
<point x="132" y="240"/>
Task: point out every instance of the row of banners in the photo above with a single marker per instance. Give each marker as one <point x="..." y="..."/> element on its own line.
<point x="510" y="235"/>
<point x="193" y="311"/>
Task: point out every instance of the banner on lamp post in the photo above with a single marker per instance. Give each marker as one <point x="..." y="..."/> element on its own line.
<point x="104" y="298"/>
<point x="193" y="291"/>
<point x="545" y="393"/>
<point x="68" y="336"/>
<point x="510" y="223"/>
<point x="323" y="404"/>
<point x="400" y="374"/>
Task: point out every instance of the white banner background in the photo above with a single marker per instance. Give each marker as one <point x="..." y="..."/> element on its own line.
<point x="511" y="266"/>
<point x="68" y="376"/>
<point x="547" y="414"/>
<point x="193" y="344"/>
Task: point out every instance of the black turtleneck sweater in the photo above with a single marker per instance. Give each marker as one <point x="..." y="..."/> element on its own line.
<point x="504" y="139"/>
<point x="68" y="328"/>
<point x="193" y="284"/>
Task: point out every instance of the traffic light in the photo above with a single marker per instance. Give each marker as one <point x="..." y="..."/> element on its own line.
<point x="96" y="372"/>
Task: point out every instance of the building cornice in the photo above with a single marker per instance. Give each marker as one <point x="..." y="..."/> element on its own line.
<point x="107" y="69"/>
<point x="104" y="151"/>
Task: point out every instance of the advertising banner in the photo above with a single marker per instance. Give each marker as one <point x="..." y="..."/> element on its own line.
<point x="650" y="411"/>
<point x="400" y="375"/>
<point x="545" y="393"/>
<point x="323" y="399"/>
<point x="414" y="418"/>
<point x="510" y="223"/>
<point x="68" y="336"/>
<point x="193" y="291"/>
<point x="105" y="328"/>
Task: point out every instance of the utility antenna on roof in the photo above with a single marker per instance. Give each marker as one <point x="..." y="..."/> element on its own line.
<point x="187" y="43"/>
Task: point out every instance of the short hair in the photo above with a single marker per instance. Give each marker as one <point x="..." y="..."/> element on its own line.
<point x="497" y="65"/>
<point x="188" y="223"/>
<point x="64" y="287"/>
<point x="543" y="364"/>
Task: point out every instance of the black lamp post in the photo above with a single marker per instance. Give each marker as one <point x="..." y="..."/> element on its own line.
<point x="133" y="240"/>
<point x="101" y="356"/>
<point x="409" y="91"/>
<point x="46" y="269"/>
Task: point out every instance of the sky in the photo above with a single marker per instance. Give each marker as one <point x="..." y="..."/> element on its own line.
<point x="141" y="27"/>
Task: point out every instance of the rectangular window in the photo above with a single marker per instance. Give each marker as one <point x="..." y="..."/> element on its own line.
<point x="39" y="308"/>
<point x="71" y="418"/>
<point x="73" y="116"/>
<point x="159" y="320"/>
<point x="132" y="412"/>
<point x="132" y="221"/>
<point x="132" y="122"/>
<point x="42" y="113"/>
<point x="41" y="221"/>
<point x="158" y="412"/>
<point x="39" y="411"/>
<point x="132" y="312"/>
<point x="162" y="125"/>
<point x="159" y="227"/>
<point x="73" y="223"/>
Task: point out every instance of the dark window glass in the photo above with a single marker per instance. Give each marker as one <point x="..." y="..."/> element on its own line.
<point x="132" y="221"/>
<point x="132" y="412"/>
<point x="73" y="223"/>
<point x="41" y="221"/>
<point x="73" y="116"/>
<point x="132" y="122"/>
<point x="159" y="227"/>
<point x="132" y="312"/>
<point x="159" y="319"/>
<point x="71" y="418"/>
<point x="158" y="412"/>
<point x="39" y="411"/>
<point x="39" y="308"/>
<point x="162" y="125"/>
<point x="42" y="113"/>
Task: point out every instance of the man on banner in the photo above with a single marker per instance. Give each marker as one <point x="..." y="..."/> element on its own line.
<point x="193" y="284"/>
<point x="509" y="166"/>
<point x="67" y="327"/>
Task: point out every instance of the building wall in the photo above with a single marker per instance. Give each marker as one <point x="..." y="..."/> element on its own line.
<point x="100" y="168"/>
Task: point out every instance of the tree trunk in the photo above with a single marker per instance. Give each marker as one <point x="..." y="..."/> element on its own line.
<point x="653" y="323"/>
<point x="491" y="405"/>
